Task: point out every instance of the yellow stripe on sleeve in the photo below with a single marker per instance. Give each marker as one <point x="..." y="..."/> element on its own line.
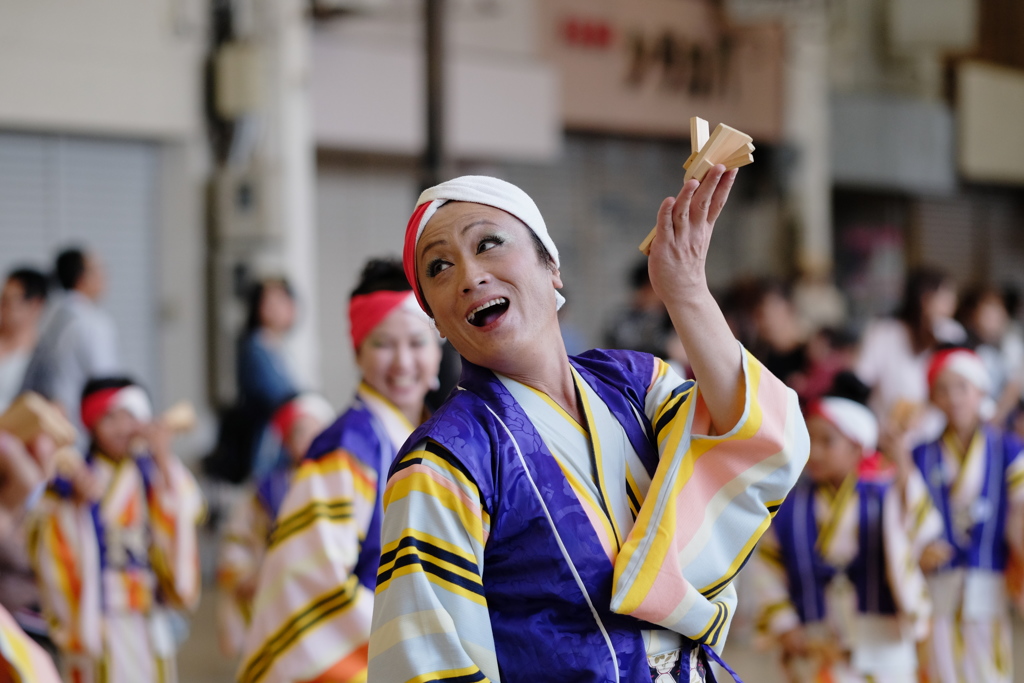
<point x="655" y="554"/>
<point x="419" y="482"/>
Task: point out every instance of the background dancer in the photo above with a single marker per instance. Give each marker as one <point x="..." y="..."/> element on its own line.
<point x="837" y="577"/>
<point x="113" y="560"/>
<point x="311" y="618"/>
<point x="975" y="474"/>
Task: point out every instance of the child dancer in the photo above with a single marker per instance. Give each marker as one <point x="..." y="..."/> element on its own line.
<point x="837" y="578"/>
<point x="113" y="563"/>
<point x="975" y="474"/>
<point x="247" y="532"/>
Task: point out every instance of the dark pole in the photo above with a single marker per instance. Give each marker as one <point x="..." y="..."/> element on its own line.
<point x="433" y="155"/>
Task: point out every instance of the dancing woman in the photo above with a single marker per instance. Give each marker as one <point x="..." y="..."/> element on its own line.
<point x="572" y="518"/>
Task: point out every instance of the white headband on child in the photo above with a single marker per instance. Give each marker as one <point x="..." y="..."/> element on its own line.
<point x="856" y="422"/>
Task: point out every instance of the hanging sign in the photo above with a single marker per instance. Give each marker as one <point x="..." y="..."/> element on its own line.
<point x="646" y="66"/>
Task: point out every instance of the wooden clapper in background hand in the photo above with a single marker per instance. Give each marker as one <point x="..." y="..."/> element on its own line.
<point x="725" y="146"/>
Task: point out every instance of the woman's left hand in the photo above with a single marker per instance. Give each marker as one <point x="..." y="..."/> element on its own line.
<point x="685" y="223"/>
<point x="677" y="268"/>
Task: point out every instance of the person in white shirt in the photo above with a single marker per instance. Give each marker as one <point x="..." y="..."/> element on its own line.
<point x="985" y="315"/>
<point x="895" y="353"/>
<point x="22" y="301"/>
<point x="78" y="340"/>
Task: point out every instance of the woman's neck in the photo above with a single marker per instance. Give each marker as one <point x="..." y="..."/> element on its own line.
<point x="550" y="374"/>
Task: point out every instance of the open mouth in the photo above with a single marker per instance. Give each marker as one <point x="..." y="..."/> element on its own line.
<point x="487" y="313"/>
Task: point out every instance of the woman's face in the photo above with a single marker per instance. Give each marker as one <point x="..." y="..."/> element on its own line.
<point x="277" y="309"/>
<point x="488" y="290"/>
<point x="400" y="358"/>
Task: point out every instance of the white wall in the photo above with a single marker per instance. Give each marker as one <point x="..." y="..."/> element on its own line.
<point x="181" y="286"/>
<point x="361" y="213"/>
<point x="502" y="101"/>
<point x="990" y="111"/>
<point x="115" y="67"/>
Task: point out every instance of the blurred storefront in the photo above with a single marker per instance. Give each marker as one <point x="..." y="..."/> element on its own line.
<point x="101" y="145"/>
<point x="585" y="105"/>
<point x="927" y="144"/>
<point x="198" y="144"/>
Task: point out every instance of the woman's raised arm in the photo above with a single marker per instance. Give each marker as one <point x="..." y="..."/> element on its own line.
<point x="677" y="266"/>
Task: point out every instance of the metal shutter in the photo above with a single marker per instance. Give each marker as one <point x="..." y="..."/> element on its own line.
<point x="361" y="213"/>
<point x="101" y="193"/>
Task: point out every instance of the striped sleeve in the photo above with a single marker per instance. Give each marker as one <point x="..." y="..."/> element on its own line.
<point x="21" y="659"/>
<point x="711" y="499"/>
<point x="64" y="551"/>
<point x="176" y="508"/>
<point x="910" y="521"/>
<point x="311" y="615"/>
<point x="920" y="519"/>
<point x="775" y="613"/>
<point x="430" y="616"/>
<point x="242" y="547"/>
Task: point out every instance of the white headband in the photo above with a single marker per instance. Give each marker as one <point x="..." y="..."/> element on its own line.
<point x="856" y="422"/>
<point x="476" y="189"/>
<point x="133" y="399"/>
<point x="965" y="363"/>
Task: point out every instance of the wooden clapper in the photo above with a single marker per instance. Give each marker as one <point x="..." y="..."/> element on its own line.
<point x="726" y="146"/>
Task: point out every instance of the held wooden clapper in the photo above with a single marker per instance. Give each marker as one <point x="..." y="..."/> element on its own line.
<point x="726" y="146"/>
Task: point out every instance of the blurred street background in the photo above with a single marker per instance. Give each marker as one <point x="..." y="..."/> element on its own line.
<point x="195" y="147"/>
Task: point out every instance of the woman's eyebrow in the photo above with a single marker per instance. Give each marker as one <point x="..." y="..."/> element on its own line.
<point x="443" y="242"/>
<point x="482" y="221"/>
<point x="431" y="245"/>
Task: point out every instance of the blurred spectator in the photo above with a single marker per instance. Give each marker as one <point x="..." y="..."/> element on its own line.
<point x="738" y="304"/>
<point x="895" y="352"/>
<point x="21" y="305"/>
<point x="1014" y="327"/>
<point x="830" y="354"/>
<point x="985" y="316"/>
<point x="641" y="326"/>
<point x="78" y="340"/>
<point x="265" y="380"/>
<point x="781" y="342"/>
<point x="817" y="300"/>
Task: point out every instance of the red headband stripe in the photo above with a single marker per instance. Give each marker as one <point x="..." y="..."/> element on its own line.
<point x="938" y="364"/>
<point x="964" y="361"/>
<point x="409" y="251"/>
<point x="96" y="405"/>
<point x="366" y="311"/>
<point x="284" y="419"/>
